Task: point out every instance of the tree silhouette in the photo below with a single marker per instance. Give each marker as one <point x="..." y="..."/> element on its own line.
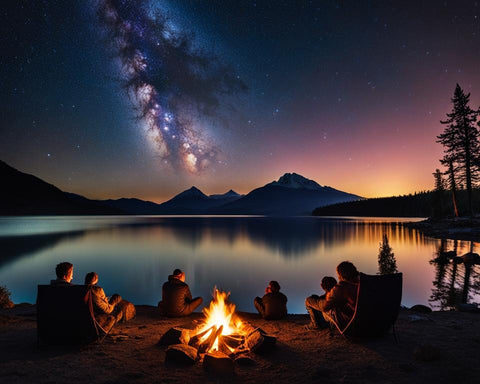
<point x="386" y="258"/>
<point x="438" y="194"/>
<point x="461" y="142"/>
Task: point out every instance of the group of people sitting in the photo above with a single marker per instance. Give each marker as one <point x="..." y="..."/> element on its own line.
<point x="336" y="305"/>
<point x="108" y="311"/>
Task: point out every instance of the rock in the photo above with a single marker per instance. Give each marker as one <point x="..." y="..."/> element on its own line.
<point x="181" y="354"/>
<point x="260" y="343"/>
<point x="245" y="359"/>
<point x="218" y="363"/>
<point x="421" y="308"/>
<point x="471" y="258"/>
<point x="464" y="307"/>
<point x="175" y="336"/>
<point x="426" y="352"/>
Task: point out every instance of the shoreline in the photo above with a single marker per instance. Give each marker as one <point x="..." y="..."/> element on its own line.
<point x="438" y="347"/>
<point x="462" y="228"/>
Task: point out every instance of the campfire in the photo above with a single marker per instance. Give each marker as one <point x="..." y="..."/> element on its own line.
<point x="221" y="330"/>
<point x="219" y="339"/>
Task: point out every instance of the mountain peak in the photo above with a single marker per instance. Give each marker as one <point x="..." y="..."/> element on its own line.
<point x="296" y="181"/>
<point x="231" y="193"/>
<point x="192" y="192"/>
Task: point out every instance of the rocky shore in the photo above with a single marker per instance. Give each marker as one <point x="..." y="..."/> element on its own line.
<point x="436" y="347"/>
<point x="462" y="228"/>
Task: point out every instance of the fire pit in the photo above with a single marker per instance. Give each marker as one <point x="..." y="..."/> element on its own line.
<point x="218" y="340"/>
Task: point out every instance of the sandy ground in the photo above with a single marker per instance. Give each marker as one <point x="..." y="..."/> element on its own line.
<point x="130" y="354"/>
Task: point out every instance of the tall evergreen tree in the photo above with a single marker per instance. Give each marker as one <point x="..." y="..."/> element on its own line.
<point x="439" y="182"/>
<point x="452" y="182"/>
<point x="439" y="192"/>
<point x="386" y="258"/>
<point x="461" y="141"/>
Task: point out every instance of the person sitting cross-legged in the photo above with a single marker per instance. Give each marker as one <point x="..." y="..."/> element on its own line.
<point x="176" y="296"/>
<point x="273" y="305"/>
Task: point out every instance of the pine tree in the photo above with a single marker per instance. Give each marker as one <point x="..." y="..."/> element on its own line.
<point x="461" y="141"/>
<point x="438" y="194"/>
<point x="386" y="258"/>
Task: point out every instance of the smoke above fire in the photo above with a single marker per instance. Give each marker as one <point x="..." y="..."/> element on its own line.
<point x="173" y="85"/>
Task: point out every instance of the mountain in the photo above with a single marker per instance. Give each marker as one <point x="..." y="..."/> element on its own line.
<point x="133" y="206"/>
<point x="231" y="194"/>
<point x="194" y="201"/>
<point x="291" y="195"/>
<point x="189" y="202"/>
<point x="24" y="194"/>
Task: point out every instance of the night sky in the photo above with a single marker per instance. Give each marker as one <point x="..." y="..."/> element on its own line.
<point x="144" y="99"/>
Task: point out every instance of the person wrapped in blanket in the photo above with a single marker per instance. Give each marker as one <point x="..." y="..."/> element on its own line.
<point x="338" y="302"/>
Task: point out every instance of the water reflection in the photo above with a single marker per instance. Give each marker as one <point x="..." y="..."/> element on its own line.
<point x="134" y="255"/>
<point x="15" y="247"/>
<point x="457" y="274"/>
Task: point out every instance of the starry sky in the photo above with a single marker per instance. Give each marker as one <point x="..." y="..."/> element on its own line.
<point x="110" y="98"/>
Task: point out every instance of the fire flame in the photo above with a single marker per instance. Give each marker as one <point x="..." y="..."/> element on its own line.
<point x="220" y="315"/>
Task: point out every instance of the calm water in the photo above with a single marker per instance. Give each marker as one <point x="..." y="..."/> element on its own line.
<point x="134" y="255"/>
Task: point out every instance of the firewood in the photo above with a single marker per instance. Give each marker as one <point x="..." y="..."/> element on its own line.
<point x="260" y="343"/>
<point x="175" y="336"/>
<point x="195" y="340"/>
<point x="218" y="363"/>
<point x="181" y="354"/>
<point x="208" y="344"/>
<point x="232" y="341"/>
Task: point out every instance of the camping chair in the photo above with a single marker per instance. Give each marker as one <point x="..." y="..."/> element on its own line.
<point x="65" y="315"/>
<point x="377" y="307"/>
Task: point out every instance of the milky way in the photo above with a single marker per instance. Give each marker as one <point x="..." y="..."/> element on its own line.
<point x="171" y="83"/>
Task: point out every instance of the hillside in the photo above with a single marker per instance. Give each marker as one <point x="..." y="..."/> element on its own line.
<point x="24" y="194"/>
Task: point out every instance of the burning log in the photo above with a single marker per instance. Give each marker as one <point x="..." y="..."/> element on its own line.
<point x="197" y="339"/>
<point x="233" y="341"/>
<point x="210" y="342"/>
<point x="175" y="336"/>
<point x="181" y="354"/>
<point x="218" y="363"/>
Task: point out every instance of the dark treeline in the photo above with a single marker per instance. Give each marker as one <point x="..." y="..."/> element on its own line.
<point x="455" y="191"/>
<point x="422" y="204"/>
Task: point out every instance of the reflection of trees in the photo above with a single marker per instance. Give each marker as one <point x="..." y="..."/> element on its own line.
<point x="387" y="263"/>
<point x="455" y="281"/>
<point x="290" y="237"/>
<point x="16" y="247"/>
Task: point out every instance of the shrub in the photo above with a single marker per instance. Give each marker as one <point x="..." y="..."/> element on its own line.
<point x="5" y="301"/>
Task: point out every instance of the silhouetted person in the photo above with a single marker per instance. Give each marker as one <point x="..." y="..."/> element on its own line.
<point x="102" y="305"/>
<point x="339" y="302"/>
<point x="273" y="305"/>
<point x="64" y="272"/>
<point x="176" y="296"/>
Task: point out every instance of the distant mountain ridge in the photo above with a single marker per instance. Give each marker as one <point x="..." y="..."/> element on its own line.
<point x="290" y="195"/>
<point x="24" y="194"/>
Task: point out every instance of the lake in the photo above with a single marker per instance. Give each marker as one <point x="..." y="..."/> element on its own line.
<point x="133" y="256"/>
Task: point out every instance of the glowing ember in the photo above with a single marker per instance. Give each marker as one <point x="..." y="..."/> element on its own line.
<point x="220" y="320"/>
